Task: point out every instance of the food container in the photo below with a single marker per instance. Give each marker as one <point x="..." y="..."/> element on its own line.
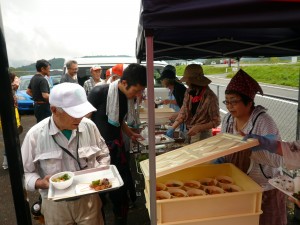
<point x="160" y="195"/>
<point x="195" y="192"/>
<point x="83" y="179"/>
<point x="62" y="184"/>
<point x="162" y="115"/>
<point x="186" y="163"/>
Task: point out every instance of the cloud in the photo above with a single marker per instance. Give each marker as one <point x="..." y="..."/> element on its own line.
<point x="36" y="29"/>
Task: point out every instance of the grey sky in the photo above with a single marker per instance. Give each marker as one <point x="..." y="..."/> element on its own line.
<point x="36" y="29"/>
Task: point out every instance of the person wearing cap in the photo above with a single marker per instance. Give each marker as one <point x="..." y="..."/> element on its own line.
<point x="246" y="118"/>
<point x="200" y="109"/>
<point x="177" y="90"/>
<point x="115" y="73"/>
<point x="39" y="90"/>
<point x="113" y="102"/>
<point x="94" y="79"/>
<point x="66" y="141"/>
<point x="71" y="74"/>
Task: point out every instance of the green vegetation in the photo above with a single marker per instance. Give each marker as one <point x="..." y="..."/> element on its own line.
<point x="285" y="74"/>
<point x="56" y="63"/>
<point x="280" y="74"/>
<point x="208" y="70"/>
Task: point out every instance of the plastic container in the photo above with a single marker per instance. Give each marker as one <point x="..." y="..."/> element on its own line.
<point x="236" y="208"/>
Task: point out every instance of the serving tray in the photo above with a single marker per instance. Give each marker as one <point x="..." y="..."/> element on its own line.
<point x="83" y="179"/>
<point x="284" y="184"/>
<point x="164" y="140"/>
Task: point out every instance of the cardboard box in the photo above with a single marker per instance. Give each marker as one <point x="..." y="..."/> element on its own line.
<point x="185" y="164"/>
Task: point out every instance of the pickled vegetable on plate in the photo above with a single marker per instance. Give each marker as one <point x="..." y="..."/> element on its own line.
<point x="99" y="185"/>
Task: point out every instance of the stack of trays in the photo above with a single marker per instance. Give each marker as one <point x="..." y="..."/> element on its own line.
<point x="219" y="204"/>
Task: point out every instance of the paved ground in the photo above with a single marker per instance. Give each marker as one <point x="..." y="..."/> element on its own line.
<point x="138" y="215"/>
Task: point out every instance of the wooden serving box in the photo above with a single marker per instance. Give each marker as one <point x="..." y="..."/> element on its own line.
<point x="162" y="115"/>
<point x="186" y="163"/>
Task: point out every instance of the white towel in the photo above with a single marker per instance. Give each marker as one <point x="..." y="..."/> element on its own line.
<point x="112" y="106"/>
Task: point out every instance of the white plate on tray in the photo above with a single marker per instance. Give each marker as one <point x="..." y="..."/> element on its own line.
<point x="166" y="140"/>
<point x="83" y="179"/>
<point x="284" y="184"/>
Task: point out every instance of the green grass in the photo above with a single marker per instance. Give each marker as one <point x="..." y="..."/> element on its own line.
<point x="208" y="70"/>
<point x="280" y="74"/>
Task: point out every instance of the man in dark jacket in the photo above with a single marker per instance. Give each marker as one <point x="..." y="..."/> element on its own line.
<point x="113" y="102"/>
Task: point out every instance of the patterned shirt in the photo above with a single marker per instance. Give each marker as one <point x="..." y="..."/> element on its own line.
<point x="263" y="125"/>
<point x="88" y="85"/>
<point x="207" y="114"/>
<point x="67" y="78"/>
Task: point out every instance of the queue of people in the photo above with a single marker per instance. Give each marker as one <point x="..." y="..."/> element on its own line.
<point x="63" y="126"/>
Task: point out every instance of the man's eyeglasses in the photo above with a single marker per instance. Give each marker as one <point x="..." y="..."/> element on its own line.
<point x="232" y="102"/>
<point x="75" y="69"/>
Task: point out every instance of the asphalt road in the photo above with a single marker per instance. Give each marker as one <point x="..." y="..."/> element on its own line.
<point x="275" y="90"/>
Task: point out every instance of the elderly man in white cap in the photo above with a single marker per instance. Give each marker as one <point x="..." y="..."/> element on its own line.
<point x="66" y="141"/>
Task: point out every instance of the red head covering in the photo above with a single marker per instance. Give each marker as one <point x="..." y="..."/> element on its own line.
<point x="117" y="69"/>
<point x="244" y="84"/>
<point x="108" y="72"/>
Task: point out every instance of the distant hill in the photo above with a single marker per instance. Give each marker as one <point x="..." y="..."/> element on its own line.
<point x="56" y="63"/>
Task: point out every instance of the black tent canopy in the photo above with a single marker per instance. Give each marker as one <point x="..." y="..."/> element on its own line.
<point x="221" y="28"/>
<point x="191" y="29"/>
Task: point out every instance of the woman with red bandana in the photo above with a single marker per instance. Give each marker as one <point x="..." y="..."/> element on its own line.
<point x="246" y="118"/>
<point x="200" y="109"/>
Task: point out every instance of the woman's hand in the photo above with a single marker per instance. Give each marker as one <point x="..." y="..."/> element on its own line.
<point x="297" y="202"/>
<point x="136" y="136"/>
<point x="193" y="131"/>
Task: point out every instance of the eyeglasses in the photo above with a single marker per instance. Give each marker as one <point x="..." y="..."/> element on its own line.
<point x="232" y="102"/>
<point x="74" y="69"/>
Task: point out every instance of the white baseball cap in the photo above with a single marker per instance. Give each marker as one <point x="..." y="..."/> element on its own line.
<point x="71" y="98"/>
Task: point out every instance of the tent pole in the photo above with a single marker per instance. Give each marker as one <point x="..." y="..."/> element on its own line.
<point x="298" y="114"/>
<point x="11" y="138"/>
<point x="151" y="126"/>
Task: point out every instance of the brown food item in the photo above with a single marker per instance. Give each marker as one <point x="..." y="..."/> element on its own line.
<point x="99" y="185"/>
<point x="212" y="192"/>
<point x="160" y="197"/>
<point x="192" y="185"/>
<point x="163" y="138"/>
<point x="210" y="183"/>
<point x="224" y="181"/>
<point x="229" y="189"/>
<point x="173" y="185"/>
<point x="177" y="194"/>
